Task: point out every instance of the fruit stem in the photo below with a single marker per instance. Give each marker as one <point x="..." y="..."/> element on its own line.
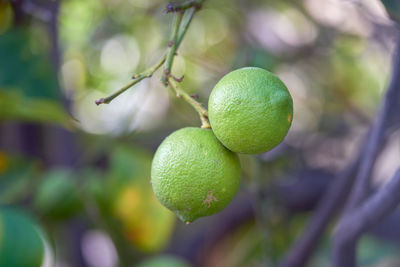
<point x="203" y="113"/>
<point x="136" y="79"/>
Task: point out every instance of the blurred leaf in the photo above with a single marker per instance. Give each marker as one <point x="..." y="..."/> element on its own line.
<point x="20" y="242"/>
<point x="15" y="106"/>
<point x="145" y="222"/>
<point x="23" y="70"/>
<point x="79" y="20"/>
<point x="57" y="196"/>
<point x="6" y="16"/>
<point x="350" y="79"/>
<point x="28" y="86"/>
<point x="16" y="176"/>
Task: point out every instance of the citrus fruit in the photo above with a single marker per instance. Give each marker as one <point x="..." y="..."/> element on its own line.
<point x="250" y="110"/>
<point x="193" y="174"/>
<point x="20" y="242"/>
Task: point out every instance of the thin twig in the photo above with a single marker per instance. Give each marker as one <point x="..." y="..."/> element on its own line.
<point x="185" y="27"/>
<point x="177" y="7"/>
<point x="180" y="93"/>
<point x="353" y="225"/>
<point x="172" y="49"/>
<point x="148" y="73"/>
<point x="136" y="79"/>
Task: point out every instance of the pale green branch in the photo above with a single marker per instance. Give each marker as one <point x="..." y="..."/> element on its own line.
<point x="180" y="93"/>
<point x="137" y="78"/>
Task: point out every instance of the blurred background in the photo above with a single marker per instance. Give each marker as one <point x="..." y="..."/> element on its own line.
<point x="79" y="174"/>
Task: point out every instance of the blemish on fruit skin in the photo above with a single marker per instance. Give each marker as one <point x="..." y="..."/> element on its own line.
<point x="210" y="198"/>
<point x="289" y="118"/>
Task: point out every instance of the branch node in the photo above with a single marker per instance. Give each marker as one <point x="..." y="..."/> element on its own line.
<point x="177" y="79"/>
<point x="169" y="8"/>
<point x="171" y="43"/>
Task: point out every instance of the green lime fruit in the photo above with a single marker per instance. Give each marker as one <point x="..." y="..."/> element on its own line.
<point x="250" y="110"/>
<point x="193" y="174"/>
<point x="20" y="242"/>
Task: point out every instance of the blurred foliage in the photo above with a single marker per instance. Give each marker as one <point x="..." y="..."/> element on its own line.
<point x="14" y="106"/>
<point x="17" y="175"/>
<point x="28" y="84"/>
<point x="20" y="240"/>
<point x="333" y="56"/>
<point x="130" y="200"/>
<point x="6" y="16"/>
<point x="57" y="195"/>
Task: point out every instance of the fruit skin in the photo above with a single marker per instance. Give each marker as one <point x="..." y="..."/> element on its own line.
<point x="193" y="174"/>
<point x="20" y="242"/>
<point x="250" y="110"/>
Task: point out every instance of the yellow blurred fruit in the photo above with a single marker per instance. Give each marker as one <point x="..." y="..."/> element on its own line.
<point x="145" y="222"/>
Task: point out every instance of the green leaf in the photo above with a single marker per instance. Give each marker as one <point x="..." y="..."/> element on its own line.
<point x="16" y="177"/>
<point x="58" y="196"/>
<point x="25" y="69"/>
<point x="15" y="106"/>
<point x="29" y="88"/>
<point x="21" y="243"/>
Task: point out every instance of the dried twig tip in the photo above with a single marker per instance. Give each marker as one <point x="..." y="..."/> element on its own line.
<point x="100" y="101"/>
<point x="169" y="8"/>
